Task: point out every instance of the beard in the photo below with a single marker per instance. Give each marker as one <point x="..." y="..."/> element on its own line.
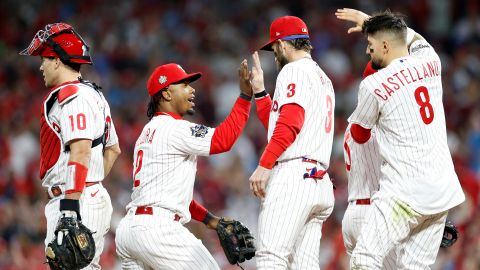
<point x="191" y="111"/>
<point x="281" y="60"/>
<point x="376" y="63"/>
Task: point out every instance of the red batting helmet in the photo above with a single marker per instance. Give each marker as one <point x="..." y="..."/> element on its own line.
<point x="168" y="74"/>
<point x="59" y="40"/>
<point x="286" y="28"/>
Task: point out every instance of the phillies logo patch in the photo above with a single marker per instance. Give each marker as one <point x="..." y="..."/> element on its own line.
<point x="199" y="131"/>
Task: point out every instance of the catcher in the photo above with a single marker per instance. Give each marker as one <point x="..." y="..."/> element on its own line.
<point x="78" y="146"/>
<point x="152" y="235"/>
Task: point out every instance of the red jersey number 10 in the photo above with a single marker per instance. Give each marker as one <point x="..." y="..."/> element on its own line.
<point x="79" y="122"/>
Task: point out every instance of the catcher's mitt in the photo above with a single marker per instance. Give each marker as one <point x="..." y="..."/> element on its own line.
<point x="72" y="248"/>
<point x="450" y="235"/>
<point x="236" y="240"/>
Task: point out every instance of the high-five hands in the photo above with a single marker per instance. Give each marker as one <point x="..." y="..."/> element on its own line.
<point x="352" y="15"/>
<point x="256" y="75"/>
<point x="244" y="79"/>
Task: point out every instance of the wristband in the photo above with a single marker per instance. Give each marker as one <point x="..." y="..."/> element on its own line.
<point x="70" y="205"/>
<point x="246" y="97"/>
<point x="207" y="218"/>
<point x="261" y="94"/>
<point x="76" y="177"/>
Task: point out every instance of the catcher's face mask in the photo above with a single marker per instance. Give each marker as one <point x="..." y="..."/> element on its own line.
<point x="59" y="40"/>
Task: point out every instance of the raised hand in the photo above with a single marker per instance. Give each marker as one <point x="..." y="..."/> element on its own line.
<point x="352" y="15"/>
<point x="256" y="76"/>
<point x="244" y="78"/>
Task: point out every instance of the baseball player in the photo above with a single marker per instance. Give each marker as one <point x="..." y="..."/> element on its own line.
<point x="78" y="142"/>
<point x="362" y="162"/>
<point x="418" y="184"/>
<point x="152" y="235"/>
<point x="291" y="179"/>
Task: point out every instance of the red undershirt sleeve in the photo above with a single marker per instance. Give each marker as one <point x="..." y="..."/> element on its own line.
<point x="360" y="134"/>
<point x="229" y="130"/>
<point x="197" y="211"/>
<point x="264" y="105"/>
<point x="289" y="124"/>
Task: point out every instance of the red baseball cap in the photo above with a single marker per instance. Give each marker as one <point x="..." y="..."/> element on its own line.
<point x="168" y="74"/>
<point x="286" y="28"/>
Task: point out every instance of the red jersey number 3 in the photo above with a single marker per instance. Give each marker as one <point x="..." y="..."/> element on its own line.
<point x="291" y="90"/>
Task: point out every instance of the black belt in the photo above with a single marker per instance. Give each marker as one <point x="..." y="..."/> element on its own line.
<point x="95" y="142"/>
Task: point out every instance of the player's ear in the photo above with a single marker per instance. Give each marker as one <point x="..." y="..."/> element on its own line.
<point x="386" y="46"/>
<point x="57" y="62"/>
<point x="283" y="44"/>
<point x="166" y="94"/>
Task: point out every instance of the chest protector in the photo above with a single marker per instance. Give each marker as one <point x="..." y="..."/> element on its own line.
<point x="50" y="144"/>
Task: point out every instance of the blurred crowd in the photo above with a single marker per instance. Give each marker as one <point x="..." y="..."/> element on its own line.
<point x="129" y="39"/>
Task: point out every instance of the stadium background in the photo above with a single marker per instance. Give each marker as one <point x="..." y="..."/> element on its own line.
<point x="130" y="38"/>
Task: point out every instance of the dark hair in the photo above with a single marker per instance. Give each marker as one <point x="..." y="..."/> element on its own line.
<point x="385" y="21"/>
<point x="152" y="104"/>
<point x="74" y="66"/>
<point x="301" y="44"/>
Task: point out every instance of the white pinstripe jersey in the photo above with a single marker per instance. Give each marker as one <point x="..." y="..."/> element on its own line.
<point x="363" y="166"/>
<point x="304" y="83"/>
<point x="82" y="117"/>
<point x="404" y="101"/>
<point x="165" y="163"/>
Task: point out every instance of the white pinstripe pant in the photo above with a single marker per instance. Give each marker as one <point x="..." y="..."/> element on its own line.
<point x="291" y="218"/>
<point x="391" y="223"/>
<point x="352" y="223"/>
<point x="157" y="241"/>
<point x="96" y="212"/>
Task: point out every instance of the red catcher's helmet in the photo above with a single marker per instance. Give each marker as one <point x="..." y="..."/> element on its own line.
<point x="59" y="40"/>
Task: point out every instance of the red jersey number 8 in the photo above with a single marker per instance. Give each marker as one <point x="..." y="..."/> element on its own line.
<point x="426" y="108"/>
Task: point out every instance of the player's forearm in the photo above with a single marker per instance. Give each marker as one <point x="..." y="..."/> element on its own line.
<point x="264" y="104"/>
<point x="109" y="156"/>
<point x="289" y="124"/>
<point x="197" y="211"/>
<point x="200" y="213"/>
<point x="77" y="168"/>
<point x="230" y="129"/>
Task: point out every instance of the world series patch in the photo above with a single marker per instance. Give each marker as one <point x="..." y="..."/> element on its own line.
<point x="199" y="131"/>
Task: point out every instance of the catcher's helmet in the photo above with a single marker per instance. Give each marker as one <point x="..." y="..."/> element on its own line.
<point x="59" y="40"/>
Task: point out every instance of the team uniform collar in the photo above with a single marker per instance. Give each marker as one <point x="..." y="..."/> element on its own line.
<point x="65" y="83"/>
<point x="172" y="114"/>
